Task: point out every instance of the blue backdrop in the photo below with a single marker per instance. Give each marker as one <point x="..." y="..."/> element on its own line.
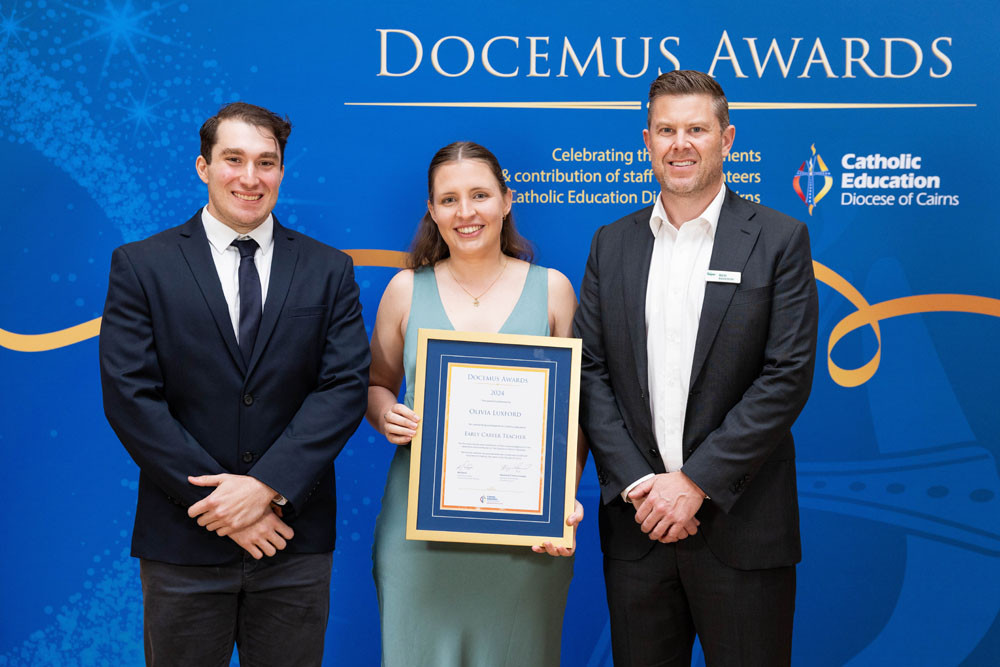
<point x="865" y="120"/>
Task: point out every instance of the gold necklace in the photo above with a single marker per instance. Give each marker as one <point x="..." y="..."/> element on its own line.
<point x="475" y="299"/>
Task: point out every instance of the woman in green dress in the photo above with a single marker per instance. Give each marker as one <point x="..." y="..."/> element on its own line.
<point x="461" y="604"/>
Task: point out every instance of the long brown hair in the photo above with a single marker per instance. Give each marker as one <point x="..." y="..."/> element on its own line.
<point x="428" y="247"/>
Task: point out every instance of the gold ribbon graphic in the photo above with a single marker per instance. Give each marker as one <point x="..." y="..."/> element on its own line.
<point x="49" y="341"/>
<point x="871" y="314"/>
<point x="81" y="332"/>
<point x="866" y="315"/>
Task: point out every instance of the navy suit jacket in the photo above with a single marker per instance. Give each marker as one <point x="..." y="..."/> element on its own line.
<point x="750" y="378"/>
<point x="183" y="402"/>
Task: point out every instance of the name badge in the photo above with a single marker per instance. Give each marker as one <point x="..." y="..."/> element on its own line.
<point x="722" y="277"/>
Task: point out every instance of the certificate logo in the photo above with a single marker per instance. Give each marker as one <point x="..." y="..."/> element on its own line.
<point x="811" y="171"/>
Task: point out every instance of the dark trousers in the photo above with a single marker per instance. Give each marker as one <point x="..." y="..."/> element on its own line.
<point x="676" y="591"/>
<point x="274" y="610"/>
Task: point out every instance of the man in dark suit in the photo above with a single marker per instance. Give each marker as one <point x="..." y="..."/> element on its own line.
<point x="234" y="364"/>
<point x="698" y="319"/>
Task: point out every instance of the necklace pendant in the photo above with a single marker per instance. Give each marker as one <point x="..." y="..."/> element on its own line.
<point x="475" y="302"/>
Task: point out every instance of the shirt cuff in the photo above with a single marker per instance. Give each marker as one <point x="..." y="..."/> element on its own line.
<point x="633" y="485"/>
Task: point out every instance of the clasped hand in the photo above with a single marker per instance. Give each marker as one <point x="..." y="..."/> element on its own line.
<point x="666" y="505"/>
<point x="240" y="508"/>
<point x="236" y="502"/>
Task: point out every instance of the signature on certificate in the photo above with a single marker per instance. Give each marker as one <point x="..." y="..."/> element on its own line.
<point x="515" y="467"/>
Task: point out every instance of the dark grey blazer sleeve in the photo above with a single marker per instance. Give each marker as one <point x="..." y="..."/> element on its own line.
<point x="770" y="362"/>
<point x="618" y="459"/>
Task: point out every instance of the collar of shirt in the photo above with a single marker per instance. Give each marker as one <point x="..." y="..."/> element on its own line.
<point x="220" y="236"/>
<point x="710" y="215"/>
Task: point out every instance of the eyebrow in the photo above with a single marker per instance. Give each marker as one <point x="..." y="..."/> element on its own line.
<point x="239" y="151"/>
<point x="671" y="121"/>
<point x="471" y="188"/>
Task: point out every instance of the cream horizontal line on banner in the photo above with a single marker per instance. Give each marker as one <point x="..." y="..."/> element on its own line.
<point x="766" y="106"/>
<point x="637" y="105"/>
<point x="623" y="106"/>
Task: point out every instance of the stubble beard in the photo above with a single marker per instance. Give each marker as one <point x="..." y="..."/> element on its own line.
<point x="707" y="179"/>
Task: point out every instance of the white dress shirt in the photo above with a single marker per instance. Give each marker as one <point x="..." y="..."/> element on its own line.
<point x="675" y="291"/>
<point x="227" y="259"/>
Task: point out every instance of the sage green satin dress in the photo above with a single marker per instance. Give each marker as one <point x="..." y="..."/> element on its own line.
<point x="462" y="605"/>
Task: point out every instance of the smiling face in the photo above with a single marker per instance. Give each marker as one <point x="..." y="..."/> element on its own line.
<point x="468" y="207"/>
<point x="243" y="176"/>
<point x="687" y="146"/>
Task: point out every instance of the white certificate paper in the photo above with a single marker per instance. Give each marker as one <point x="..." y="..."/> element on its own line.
<point x="494" y="444"/>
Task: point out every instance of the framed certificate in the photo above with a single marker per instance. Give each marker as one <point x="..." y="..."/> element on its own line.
<point x="494" y="458"/>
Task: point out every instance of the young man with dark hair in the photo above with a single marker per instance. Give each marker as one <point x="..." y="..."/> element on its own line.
<point x="234" y="365"/>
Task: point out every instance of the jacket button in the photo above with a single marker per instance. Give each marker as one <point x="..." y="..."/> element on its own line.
<point x="247" y="457"/>
<point x="653" y="451"/>
<point x="247" y="399"/>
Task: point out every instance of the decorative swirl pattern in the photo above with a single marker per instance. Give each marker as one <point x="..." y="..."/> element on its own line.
<point x="81" y="332"/>
<point x="866" y="315"/>
<point x="50" y="341"/>
<point x="871" y="314"/>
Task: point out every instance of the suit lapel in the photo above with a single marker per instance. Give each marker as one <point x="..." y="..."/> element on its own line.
<point x="198" y="255"/>
<point x="637" y="251"/>
<point x="282" y="268"/>
<point x="735" y="237"/>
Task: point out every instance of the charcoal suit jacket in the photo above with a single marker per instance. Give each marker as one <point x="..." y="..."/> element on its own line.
<point x="751" y="375"/>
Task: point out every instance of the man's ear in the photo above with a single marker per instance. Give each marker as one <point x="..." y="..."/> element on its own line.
<point x="728" y="136"/>
<point x="201" y="166"/>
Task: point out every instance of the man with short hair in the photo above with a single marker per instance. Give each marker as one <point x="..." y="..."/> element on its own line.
<point x="234" y="366"/>
<point x="698" y="317"/>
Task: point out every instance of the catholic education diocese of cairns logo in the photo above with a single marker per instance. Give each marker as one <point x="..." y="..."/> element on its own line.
<point x="811" y="170"/>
